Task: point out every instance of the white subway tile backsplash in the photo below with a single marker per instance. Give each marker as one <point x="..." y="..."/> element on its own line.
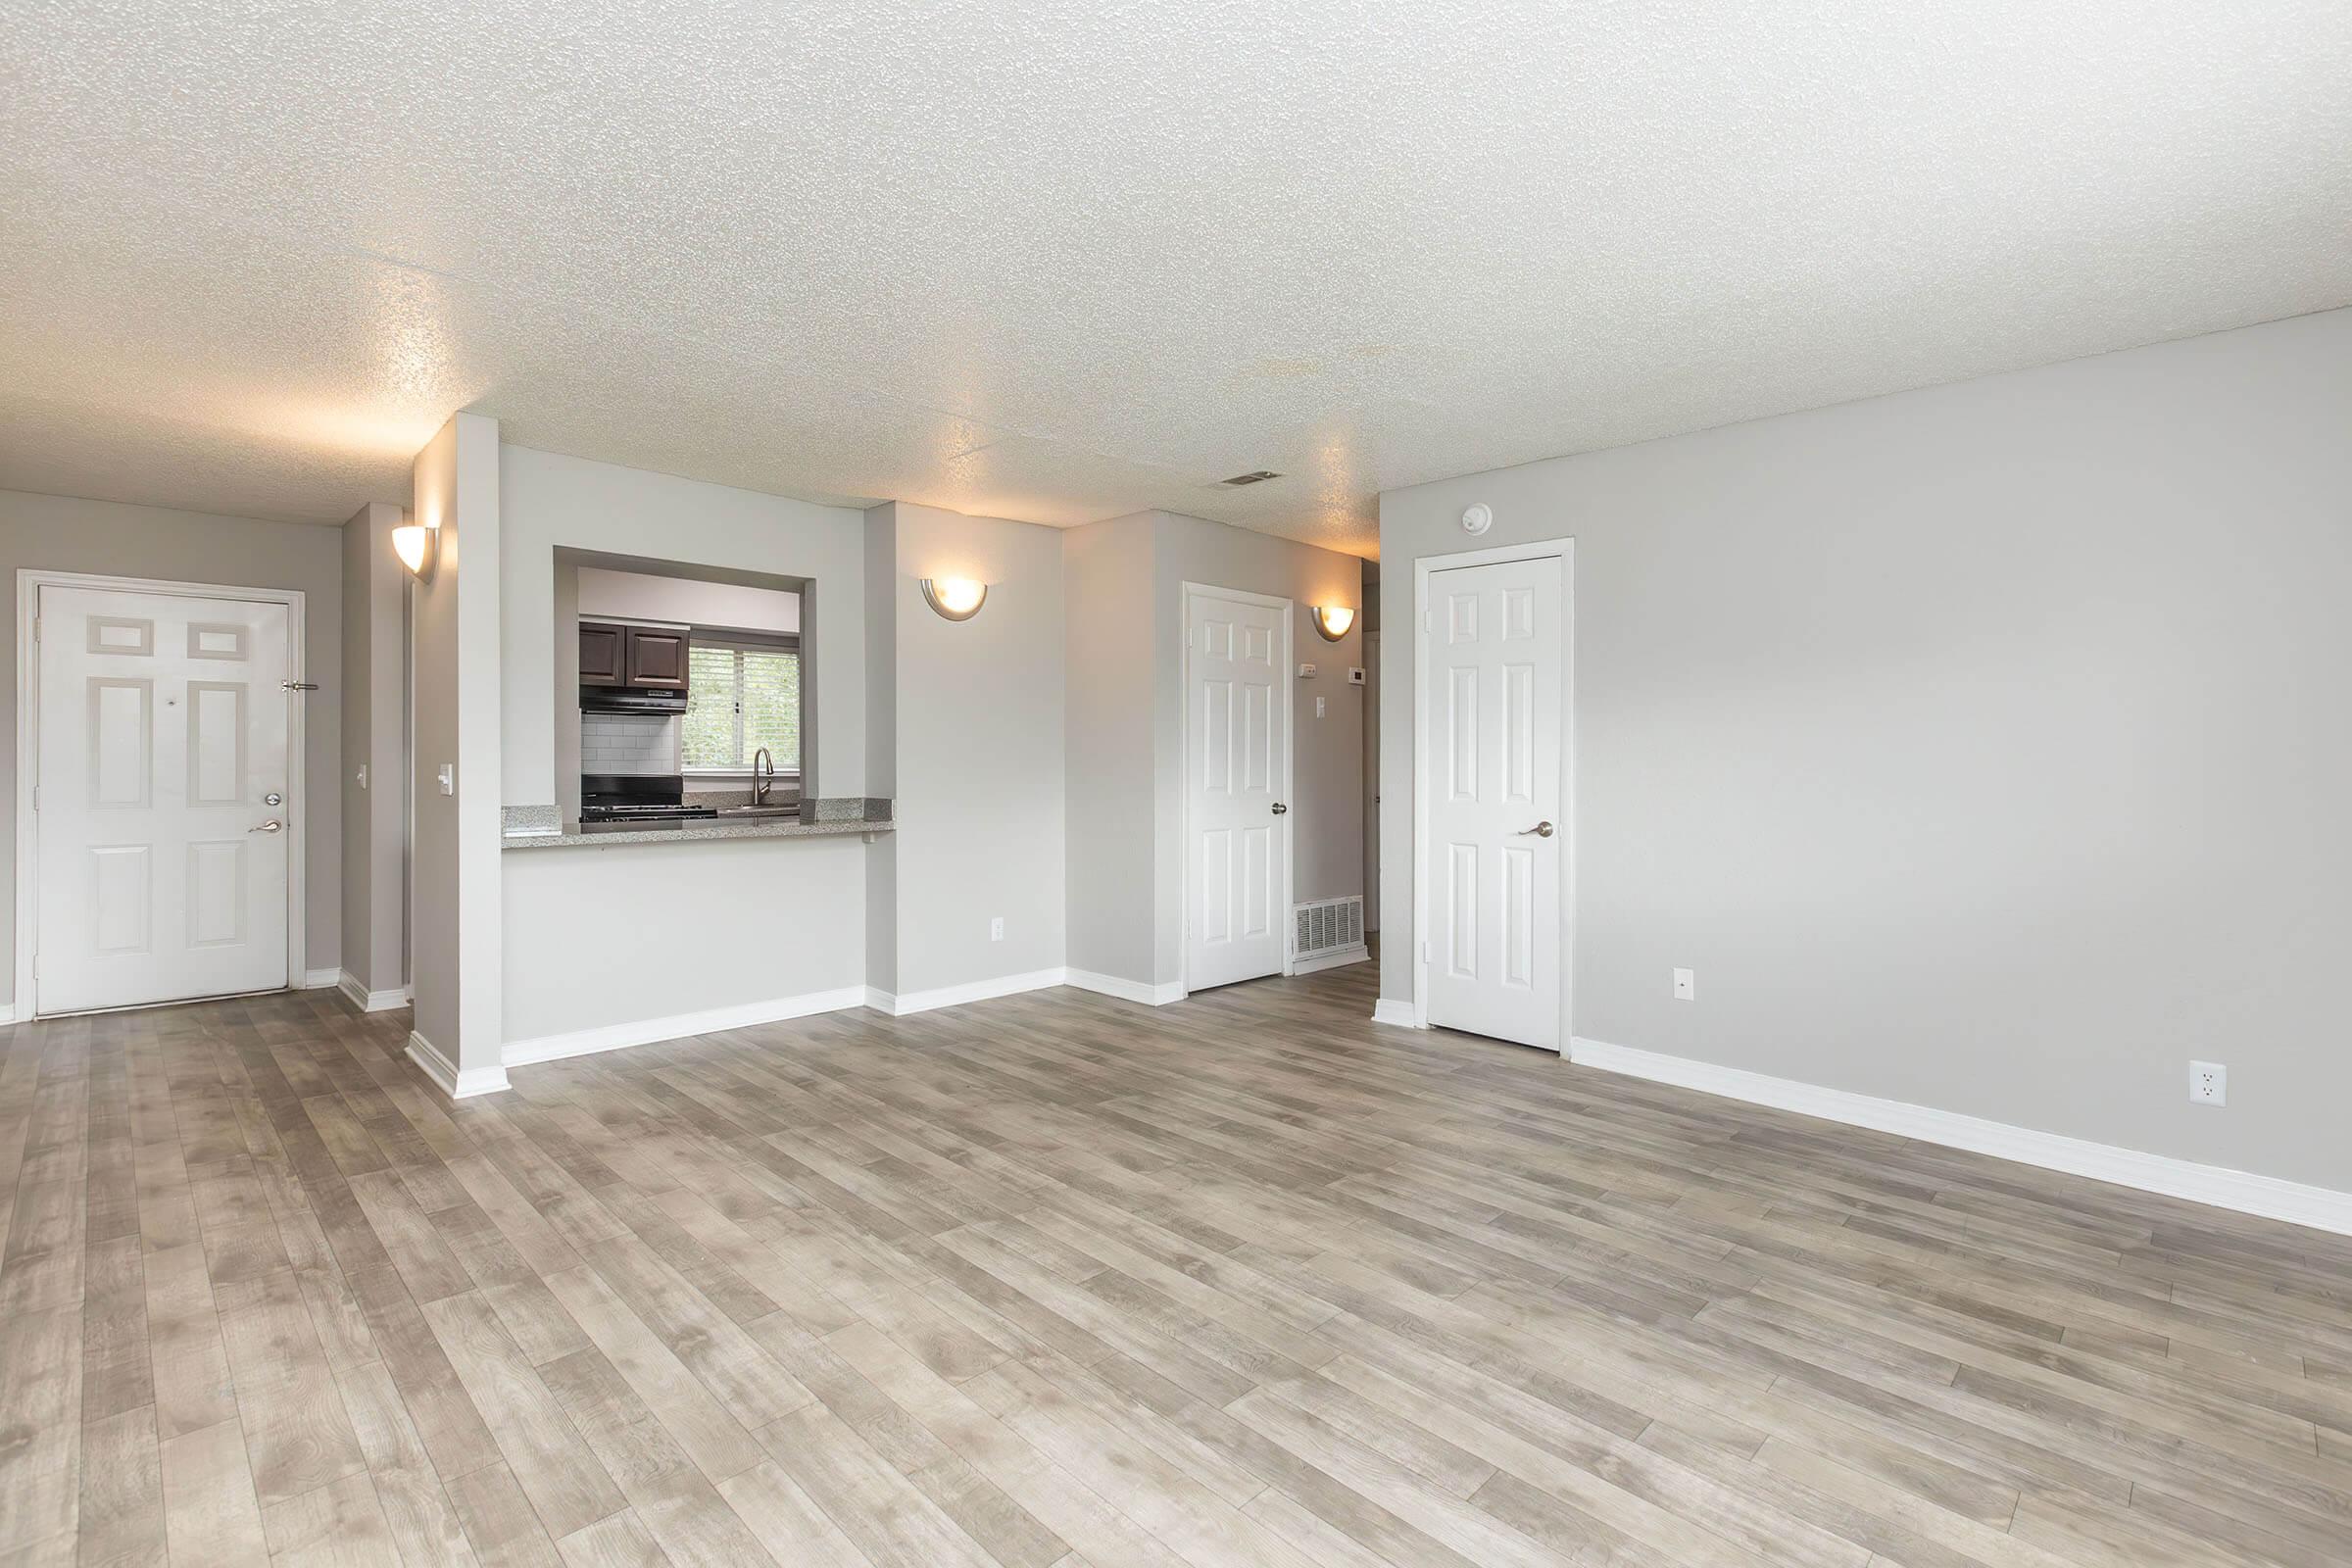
<point x="629" y="742"/>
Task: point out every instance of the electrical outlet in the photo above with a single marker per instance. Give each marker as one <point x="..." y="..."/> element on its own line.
<point x="1685" y="985"/>
<point x="2207" y="1083"/>
<point x="996" y="929"/>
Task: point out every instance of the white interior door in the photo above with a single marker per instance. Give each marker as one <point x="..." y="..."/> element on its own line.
<point x="1372" y="781"/>
<point x="162" y="819"/>
<point x="1237" y="763"/>
<point x="1496" y="836"/>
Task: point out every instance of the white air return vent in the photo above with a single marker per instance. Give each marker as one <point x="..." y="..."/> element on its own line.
<point x="1326" y="927"/>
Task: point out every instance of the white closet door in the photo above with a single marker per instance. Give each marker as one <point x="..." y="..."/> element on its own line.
<point x="1238" y="755"/>
<point x="1496" y="836"/>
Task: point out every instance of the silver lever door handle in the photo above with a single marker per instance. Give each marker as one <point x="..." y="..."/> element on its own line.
<point x="1279" y="808"/>
<point x="272" y="826"/>
<point x="1542" y="830"/>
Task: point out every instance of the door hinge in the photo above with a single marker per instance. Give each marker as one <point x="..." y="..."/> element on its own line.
<point x="37" y="629"/>
<point x="1424" y="952"/>
<point x="1428" y="620"/>
<point x="297" y="685"/>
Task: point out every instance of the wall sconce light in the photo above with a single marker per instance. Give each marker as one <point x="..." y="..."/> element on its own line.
<point x="416" y="546"/>
<point x="1333" y="622"/>
<point x="955" y="598"/>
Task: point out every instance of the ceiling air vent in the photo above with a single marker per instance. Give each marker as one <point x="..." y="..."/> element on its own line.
<point x="1258" y="477"/>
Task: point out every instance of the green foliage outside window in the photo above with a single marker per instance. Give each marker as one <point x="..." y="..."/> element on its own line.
<point x="741" y="697"/>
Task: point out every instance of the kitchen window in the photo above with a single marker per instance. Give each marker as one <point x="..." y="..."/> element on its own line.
<point x="742" y="694"/>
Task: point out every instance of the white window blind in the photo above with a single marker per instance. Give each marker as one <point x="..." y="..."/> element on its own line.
<point x="741" y="695"/>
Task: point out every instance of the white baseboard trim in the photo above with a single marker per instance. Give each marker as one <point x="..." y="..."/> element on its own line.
<point x="1388" y="1010"/>
<point x="2244" y="1192"/>
<point x="320" y="979"/>
<point x="1337" y="958"/>
<point x="1111" y="985"/>
<point x="367" y="1000"/>
<point x="453" y="1083"/>
<point x="899" y="1007"/>
<point x="679" y="1026"/>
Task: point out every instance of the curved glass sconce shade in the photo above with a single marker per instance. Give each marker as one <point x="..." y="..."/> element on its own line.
<point x="955" y="598"/>
<point x="417" y="545"/>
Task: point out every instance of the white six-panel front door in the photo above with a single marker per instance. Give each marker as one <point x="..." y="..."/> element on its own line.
<point x="162" y="737"/>
<point x="1497" y="823"/>
<point x="1238" y="760"/>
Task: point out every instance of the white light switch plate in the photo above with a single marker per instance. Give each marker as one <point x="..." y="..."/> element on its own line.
<point x="448" y="778"/>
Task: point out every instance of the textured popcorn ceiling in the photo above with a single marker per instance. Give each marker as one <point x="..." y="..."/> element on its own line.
<point x="1063" y="260"/>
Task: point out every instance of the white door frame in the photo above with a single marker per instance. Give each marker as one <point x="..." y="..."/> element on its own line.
<point x="1289" y="756"/>
<point x="1535" y="550"/>
<point x="30" y="580"/>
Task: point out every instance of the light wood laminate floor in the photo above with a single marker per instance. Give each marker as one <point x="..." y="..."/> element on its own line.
<point x="1057" y="1279"/>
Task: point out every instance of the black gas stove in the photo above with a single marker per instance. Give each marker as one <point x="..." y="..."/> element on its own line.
<point x="611" y="802"/>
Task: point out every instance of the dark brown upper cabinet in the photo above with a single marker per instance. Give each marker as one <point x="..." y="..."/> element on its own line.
<point x="604" y="655"/>
<point x="657" y="658"/>
<point x="648" y="657"/>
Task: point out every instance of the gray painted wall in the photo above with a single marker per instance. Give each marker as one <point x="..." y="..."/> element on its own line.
<point x="881" y="556"/>
<point x="375" y="828"/>
<point x="1981" y="746"/>
<point x="434" y="938"/>
<point x="456" y="930"/>
<point x="734" y="924"/>
<point x="563" y="680"/>
<point x="978" y="767"/>
<point x="1108" y="737"/>
<point x="65" y="534"/>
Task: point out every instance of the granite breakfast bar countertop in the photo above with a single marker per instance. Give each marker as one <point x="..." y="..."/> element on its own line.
<point x="539" y="828"/>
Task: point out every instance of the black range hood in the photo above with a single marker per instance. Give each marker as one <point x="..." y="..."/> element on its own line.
<point x="630" y="699"/>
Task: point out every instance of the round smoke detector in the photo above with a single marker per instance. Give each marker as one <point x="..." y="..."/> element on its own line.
<point x="1477" y="517"/>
